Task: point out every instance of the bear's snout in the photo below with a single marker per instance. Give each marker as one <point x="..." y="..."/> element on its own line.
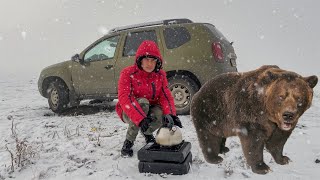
<point x="288" y="116"/>
<point x="288" y="120"/>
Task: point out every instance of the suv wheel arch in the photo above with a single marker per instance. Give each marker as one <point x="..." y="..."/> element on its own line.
<point x="57" y="92"/>
<point x="183" y="85"/>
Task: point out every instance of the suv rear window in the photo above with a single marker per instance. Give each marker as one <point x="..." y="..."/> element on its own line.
<point x="176" y="36"/>
<point x="133" y="41"/>
<point x="216" y="32"/>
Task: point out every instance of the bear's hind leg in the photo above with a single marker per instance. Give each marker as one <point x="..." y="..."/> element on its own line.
<point x="210" y="146"/>
<point x="223" y="148"/>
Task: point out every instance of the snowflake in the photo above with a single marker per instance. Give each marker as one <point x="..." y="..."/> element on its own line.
<point x="24" y="34"/>
<point x="103" y="30"/>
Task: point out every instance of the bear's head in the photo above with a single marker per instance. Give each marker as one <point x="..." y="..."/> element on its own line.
<point x="287" y="96"/>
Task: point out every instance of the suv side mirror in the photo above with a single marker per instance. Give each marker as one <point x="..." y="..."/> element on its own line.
<point x="77" y="58"/>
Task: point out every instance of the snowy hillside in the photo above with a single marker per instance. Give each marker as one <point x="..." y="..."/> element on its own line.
<point x="76" y="146"/>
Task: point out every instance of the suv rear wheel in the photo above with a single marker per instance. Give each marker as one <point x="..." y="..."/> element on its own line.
<point x="182" y="89"/>
<point x="58" y="96"/>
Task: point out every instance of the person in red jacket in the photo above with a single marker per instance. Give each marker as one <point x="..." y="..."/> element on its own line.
<point x="145" y="101"/>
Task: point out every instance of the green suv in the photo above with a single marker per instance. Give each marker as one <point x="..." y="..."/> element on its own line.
<point x="193" y="54"/>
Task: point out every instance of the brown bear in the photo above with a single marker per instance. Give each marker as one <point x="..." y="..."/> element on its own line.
<point x="261" y="107"/>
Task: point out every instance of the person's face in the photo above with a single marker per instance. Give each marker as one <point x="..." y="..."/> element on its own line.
<point x="148" y="64"/>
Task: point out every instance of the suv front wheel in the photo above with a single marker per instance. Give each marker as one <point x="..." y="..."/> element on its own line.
<point x="182" y="89"/>
<point x="58" y="96"/>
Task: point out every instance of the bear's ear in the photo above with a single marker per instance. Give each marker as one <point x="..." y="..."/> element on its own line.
<point x="268" y="77"/>
<point x="265" y="67"/>
<point x="271" y="66"/>
<point x="271" y="76"/>
<point x="311" y="80"/>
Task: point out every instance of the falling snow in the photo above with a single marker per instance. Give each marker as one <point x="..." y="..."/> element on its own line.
<point x="103" y="30"/>
<point x="260" y="90"/>
<point x="261" y="37"/>
<point x="23" y="34"/>
<point x="242" y="130"/>
<point x="296" y="15"/>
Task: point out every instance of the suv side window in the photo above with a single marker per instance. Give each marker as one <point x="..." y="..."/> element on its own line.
<point x="176" y="36"/>
<point x="103" y="50"/>
<point x="133" y="40"/>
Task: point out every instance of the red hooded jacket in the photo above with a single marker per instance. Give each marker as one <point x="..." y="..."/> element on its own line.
<point x="136" y="83"/>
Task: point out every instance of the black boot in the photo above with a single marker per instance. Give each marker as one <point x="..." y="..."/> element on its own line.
<point x="126" y="150"/>
<point x="149" y="138"/>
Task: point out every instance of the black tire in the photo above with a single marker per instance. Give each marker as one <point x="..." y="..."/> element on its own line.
<point x="182" y="89"/>
<point x="58" y="96"/>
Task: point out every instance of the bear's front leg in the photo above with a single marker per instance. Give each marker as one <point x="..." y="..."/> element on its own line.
<point x="252" y="146"/>
<point x="276" y="143"/>
<point x="210" y="145"/>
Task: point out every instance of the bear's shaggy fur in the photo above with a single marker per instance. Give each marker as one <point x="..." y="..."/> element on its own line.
<point x="261" y="107"/>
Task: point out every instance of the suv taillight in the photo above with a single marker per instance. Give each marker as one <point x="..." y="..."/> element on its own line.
<point x="217" y="51"/>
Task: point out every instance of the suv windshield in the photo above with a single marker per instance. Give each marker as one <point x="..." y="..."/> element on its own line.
<point x="103" y="50"/>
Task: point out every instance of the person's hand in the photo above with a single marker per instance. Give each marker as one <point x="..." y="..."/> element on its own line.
<point x="145" y="123"/>
<point x="169" y="120"/>
<point x="176" y="120"/>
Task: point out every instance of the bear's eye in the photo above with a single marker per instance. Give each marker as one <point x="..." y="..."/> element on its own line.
<point x="299" y="102"/>
<point x="281" y="97"/>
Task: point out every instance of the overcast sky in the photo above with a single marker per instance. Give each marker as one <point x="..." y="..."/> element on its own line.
<point x="38" y="33"/>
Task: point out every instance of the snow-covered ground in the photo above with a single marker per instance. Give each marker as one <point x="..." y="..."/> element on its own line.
<point x="86" y="143"/>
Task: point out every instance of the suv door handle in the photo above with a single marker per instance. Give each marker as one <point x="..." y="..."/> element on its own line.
<point x="108" y="67"/>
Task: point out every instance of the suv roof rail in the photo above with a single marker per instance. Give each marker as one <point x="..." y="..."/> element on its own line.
<point x="155" y="23"/>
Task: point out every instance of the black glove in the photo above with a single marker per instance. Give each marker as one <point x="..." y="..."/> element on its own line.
<point x="145" y="123"/>
<point x="170" y="120"/>
<point x="176" y="121"/>
<point x="167" y="121"/>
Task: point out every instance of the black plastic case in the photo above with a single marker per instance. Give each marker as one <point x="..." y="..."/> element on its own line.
<point x="158" y="167"/>
<point x="158" y="159"/>
<point x="154" y="152"/>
